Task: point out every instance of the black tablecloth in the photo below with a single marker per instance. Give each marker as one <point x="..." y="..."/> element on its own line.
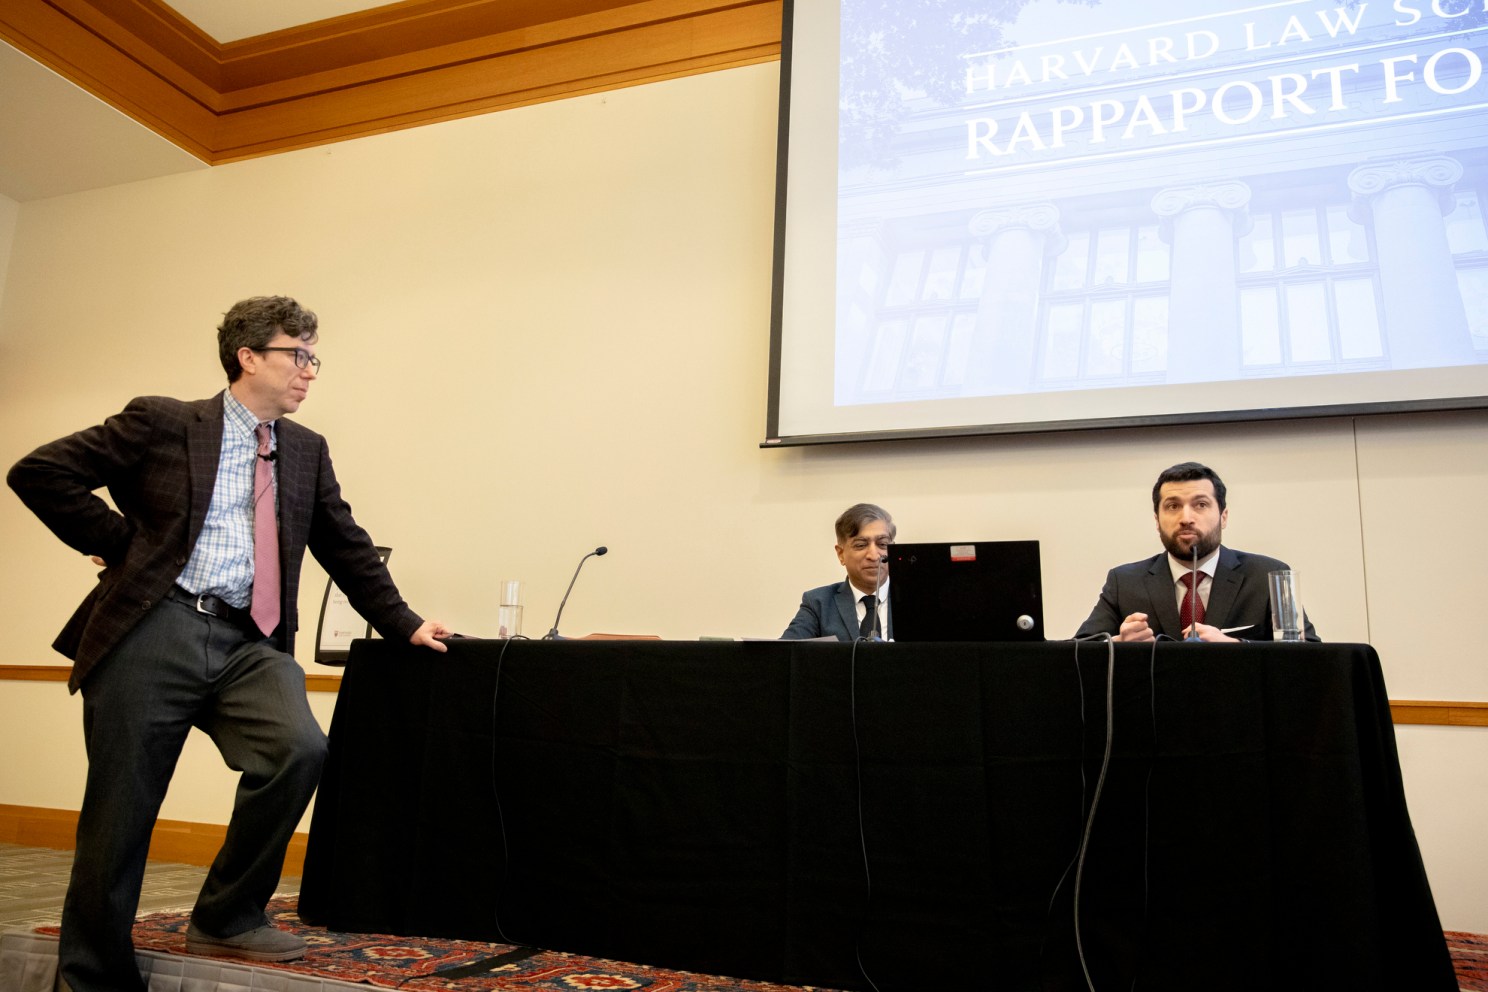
<point x="697" y="805"/>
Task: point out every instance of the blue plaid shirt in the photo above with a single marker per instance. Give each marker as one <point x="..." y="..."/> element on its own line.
<point x="221" y="564"/>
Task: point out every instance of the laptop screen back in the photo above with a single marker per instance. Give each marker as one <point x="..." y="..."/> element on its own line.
<point x="980" y="591"/>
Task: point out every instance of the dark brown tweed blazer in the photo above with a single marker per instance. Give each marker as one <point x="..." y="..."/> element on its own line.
<point x="158" y="460"/>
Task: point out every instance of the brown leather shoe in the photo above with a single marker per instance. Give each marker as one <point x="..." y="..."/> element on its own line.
<point x="263" y="943"/>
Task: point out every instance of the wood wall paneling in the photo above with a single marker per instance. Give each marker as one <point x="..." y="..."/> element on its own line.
<point x="1440" y="712"/>
<point x="1436" y="712"/>
<point x="58" y="673"/>
<point x="177" y="841"/>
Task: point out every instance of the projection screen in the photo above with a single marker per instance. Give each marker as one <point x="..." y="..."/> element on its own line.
<point x="1032" y="215"/>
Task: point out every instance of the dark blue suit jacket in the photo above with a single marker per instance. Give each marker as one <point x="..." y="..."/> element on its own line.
<point x="829" y="611"/>
<point x="1238" y="596"/>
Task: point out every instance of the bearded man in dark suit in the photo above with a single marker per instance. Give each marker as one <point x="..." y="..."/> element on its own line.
<point x="1149" y="599"/>
<point x="173" y="635"/>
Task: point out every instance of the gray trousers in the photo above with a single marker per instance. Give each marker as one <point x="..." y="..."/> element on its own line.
<point x="177" y="670"/>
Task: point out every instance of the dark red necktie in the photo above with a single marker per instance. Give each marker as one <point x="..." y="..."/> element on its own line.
<point x="1192" y="609"/>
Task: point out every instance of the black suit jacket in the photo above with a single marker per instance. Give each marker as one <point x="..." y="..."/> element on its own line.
<point x="158" y="460"/>
<point x="1237" y="597"/>
<point x="829" y="611"/>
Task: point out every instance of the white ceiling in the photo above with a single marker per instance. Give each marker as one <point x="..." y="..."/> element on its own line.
<point x="57" y="139"/>
<point x="232" y="21"/>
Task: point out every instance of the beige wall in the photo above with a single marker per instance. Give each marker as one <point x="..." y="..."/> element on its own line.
<point x="9" y="211"/>
<point x="547" y="329"/>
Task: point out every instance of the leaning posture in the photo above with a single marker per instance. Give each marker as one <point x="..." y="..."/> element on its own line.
<point x="192" y="624"/>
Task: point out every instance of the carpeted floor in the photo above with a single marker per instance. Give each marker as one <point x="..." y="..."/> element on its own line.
<point x="1470" y="958"/>
<point x="424" y="964"/>
<point x="438" y="965"/>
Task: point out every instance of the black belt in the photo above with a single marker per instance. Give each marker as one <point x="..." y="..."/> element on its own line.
<point x="214" y="606"/>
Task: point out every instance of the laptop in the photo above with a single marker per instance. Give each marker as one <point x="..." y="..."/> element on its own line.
<point x="978" y="591"/>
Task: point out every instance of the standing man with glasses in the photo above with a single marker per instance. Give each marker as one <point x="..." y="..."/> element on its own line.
<point x="192" y="624"/>
<point x="842" y="609"/>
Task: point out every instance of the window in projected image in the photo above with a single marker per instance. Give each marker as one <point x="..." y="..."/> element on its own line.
<point x="1112" y="198"/>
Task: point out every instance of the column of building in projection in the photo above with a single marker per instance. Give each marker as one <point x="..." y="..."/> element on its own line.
<point x="1406" y="202"/>
<point x="1017" y="242"/>
<point x="1203" y="223"/>
<point x="862" y="267"/>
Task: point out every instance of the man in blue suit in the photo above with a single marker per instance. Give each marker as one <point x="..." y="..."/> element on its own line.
<point x="1148" y="599"/>
<point x="841" y="610"/>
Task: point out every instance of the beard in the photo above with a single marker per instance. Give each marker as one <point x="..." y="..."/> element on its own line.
<point x="1205" y="544"/>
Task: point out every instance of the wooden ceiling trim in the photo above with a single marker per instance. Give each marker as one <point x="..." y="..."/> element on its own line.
<point x="393" y="67"/>
<point x="590" y="65"/>
<point x="626" y="45"/>
<point x="92" y="62"/>
<point x="497" y="15"/>
<point x="157" y="37"/>
<point x="407" y="30"/>
<point x="319" y="75"/>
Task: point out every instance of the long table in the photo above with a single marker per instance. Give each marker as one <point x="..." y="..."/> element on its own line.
<point x="917" y="816"/>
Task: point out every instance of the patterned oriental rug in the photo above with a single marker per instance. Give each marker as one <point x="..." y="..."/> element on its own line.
<point x="1470" y="958"/>
<point x="431" y="964"/>
<point x="427" y="964"/>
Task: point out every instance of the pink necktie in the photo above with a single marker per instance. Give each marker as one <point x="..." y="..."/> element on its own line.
<point x="265" y="606"/>
<point x="1192" y="609"/>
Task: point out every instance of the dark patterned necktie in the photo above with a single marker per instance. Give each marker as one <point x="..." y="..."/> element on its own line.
<point x="1192" y="610"/>
<point x="870" y="616"/>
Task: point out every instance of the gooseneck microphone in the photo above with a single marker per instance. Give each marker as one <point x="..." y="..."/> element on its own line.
<point x="1193" y="621"/>
<point x="878" y="635"/>
<point x="552" y="635"/>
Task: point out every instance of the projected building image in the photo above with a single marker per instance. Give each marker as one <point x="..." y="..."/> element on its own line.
<point x="1135" y="194"/>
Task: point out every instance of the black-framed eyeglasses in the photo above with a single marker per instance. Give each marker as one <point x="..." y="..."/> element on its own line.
<point x="302" y="357"/>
